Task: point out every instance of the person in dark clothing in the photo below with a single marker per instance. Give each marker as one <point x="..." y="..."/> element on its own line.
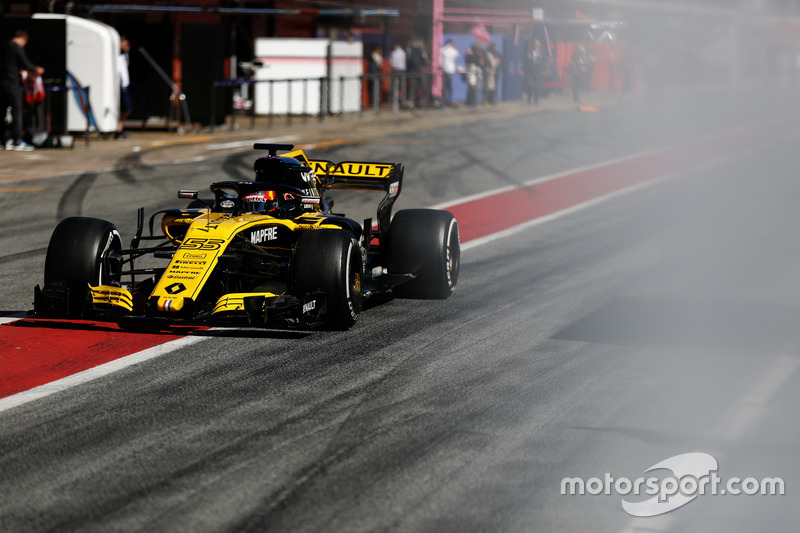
<point x="533" y="69"/>
<point x="13" y="61"/>
<point x="374" y="74"/>
<point x="476" y="64"/>
<point x="125" y="102"/>
<point x="417" y="65"/>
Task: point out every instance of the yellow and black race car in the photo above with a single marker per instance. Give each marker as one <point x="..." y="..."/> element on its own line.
<point x="266" y="252"/>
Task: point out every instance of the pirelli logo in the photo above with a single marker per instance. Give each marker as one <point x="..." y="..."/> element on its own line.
<point x="352" y="169"/>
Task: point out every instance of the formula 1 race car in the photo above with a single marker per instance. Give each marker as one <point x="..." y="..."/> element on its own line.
<point x="265" y="252"/>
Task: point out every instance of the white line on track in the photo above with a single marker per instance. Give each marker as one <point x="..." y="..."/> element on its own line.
<point x="9" y="402"/>
<point x="549" y="177"/>
<point x="584" y="205"/>
<point x="558" y="214"/>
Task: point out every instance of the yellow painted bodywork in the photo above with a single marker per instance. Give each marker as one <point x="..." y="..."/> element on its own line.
<point x="199" y="252"/>
<point x="235" y="301"/>
<point x="346" y="169"/>
<point x="115" y="296"/>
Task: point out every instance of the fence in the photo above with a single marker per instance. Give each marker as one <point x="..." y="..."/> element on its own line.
<point x="324" y="97"/>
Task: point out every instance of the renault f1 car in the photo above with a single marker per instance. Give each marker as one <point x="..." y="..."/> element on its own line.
<point x="264" y="252"/>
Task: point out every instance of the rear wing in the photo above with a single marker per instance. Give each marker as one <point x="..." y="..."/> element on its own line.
<point x="358" y="175"/>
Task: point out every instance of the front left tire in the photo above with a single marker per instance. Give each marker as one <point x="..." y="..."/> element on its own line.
<point x="84" y="250"/>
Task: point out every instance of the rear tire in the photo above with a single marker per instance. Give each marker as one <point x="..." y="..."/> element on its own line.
<point x="329" y="260"/>
<point x="426" y="243"/>
<point x="84" y="250"/>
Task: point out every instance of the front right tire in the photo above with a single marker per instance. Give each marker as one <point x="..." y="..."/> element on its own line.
<point x="329" y="260"/>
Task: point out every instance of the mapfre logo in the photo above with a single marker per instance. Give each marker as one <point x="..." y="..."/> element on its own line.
<point x="263" y="235"/>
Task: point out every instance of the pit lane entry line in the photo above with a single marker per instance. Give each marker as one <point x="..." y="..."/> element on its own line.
<point x="499" y="213"/>
<point x="21" y="398"/>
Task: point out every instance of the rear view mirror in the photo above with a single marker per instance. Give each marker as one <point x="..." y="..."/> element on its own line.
<point x="187" y="194"/>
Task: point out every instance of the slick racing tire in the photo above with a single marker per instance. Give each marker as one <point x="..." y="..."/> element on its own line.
<point x="425" y="243"/>
<point x="329" y="260"/>
<point x="84" y="250"/>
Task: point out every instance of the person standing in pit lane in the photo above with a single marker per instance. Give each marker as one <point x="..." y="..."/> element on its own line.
<point x="125" y="103"/>
<point x="13" y="61"/>
<point x="397" y="59"/>
<point x="449" y="57"/>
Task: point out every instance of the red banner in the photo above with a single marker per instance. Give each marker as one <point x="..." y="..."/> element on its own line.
<point x="480" y="32"/>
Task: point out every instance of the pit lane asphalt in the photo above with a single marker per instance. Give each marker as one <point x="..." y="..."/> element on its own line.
<point x="153" y="147"/>
<point x="604" y="341"/>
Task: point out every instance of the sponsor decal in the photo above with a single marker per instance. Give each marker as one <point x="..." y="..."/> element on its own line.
<point x="367" y="170"/>
<point x="175" y="288"/>
<point x="264" y="234"/>
<point x="309" y="176"/>
<point x="394" y="188"/>
<point x="202" y="244"/>
<point x="260" y="197"/>
<point x="310" y="201"/>
<point x="309" y="306"/>
<point x="189" y="255"/>
<point x="227" y="204"/>
<point x="319" y="166"/>
<point x="354" y="169"/>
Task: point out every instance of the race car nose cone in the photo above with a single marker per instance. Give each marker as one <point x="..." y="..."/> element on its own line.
<point x="170" y="304"/>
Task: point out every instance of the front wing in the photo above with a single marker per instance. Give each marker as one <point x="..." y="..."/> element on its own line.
<point x="236" y="309"/>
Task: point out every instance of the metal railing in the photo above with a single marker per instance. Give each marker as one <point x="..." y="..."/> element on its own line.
<point x="324" y="97"/>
